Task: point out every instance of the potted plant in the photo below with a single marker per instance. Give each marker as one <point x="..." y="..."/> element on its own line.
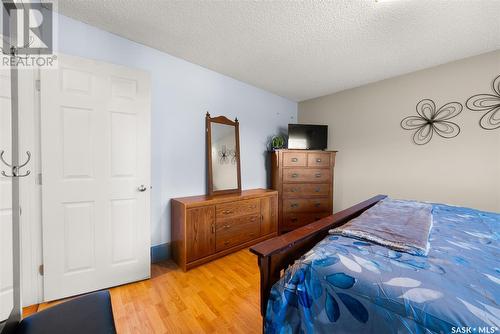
<point x="278" y="142"/>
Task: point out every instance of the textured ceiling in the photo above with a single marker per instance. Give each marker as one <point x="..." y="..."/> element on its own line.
<point x="303" y="49"/>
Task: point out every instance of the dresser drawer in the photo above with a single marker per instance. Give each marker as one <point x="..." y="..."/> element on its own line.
<point x="306" y="205"/>
<point x="318" y="159"/>
<point x="295" y="159"/>
<point x="294" y="220"/>
<point x="232" y="232"/>
<point x="306" y="175"/>
<point x="306" y="189"/>
<point x="236" y="209"/>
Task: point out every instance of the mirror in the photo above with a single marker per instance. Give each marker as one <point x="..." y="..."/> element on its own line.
<point x="223" y="155"/>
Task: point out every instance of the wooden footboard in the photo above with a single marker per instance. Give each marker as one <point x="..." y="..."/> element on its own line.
<point x="276" y="254"/>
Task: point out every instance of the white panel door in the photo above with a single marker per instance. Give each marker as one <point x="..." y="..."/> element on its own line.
<point x="95" y="120"/>
<point x="6" y="286"/>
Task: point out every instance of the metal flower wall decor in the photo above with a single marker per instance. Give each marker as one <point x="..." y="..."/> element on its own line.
<point x="489" y="103"/>
<point x="431" y="120"/>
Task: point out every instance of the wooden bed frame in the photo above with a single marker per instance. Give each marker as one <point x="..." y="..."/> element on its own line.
<point x="276" y="254"/>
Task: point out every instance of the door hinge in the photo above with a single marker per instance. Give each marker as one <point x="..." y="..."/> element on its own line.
<point x="39" y="179"/>
<point x="41" y="270"/>
<point x="37" y="84"/>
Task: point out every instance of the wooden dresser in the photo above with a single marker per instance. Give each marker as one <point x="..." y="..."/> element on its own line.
<point x="304" y="181"/>
<point x="207" y="227"/>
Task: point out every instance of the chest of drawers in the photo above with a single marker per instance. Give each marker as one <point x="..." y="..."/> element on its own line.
<point x="304" y="181"/>
<point x="207" y="227"/>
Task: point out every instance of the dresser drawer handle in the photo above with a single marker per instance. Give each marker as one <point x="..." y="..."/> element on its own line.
<point x="294" y="205"/>
<point x="226" y="226"/>
<point x="317" y="205"/>
<point x="252" y="219"/>
<point x="226" y="243"/>
<point x="318" y="189"/>
<point x="295" y="159"/>
<point x="317" y="174"/>
<point x="294" y="190"/>
<point x="295" y="175"/>
<point x="318" y="160"/>
<point x="227" y="212"/>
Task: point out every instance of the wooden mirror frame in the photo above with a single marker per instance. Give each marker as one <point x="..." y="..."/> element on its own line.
<point x="208" y="125"/>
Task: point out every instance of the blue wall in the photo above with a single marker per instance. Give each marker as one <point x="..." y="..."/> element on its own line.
<point x="181" y="95"/>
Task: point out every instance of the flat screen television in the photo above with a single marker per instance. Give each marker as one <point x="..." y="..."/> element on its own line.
<point x="307" y="137"/>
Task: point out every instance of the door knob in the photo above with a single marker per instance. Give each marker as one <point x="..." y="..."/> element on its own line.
<point x="142" y="188"/>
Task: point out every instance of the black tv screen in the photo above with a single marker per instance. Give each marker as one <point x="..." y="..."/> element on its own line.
<point x="307" y="136"/>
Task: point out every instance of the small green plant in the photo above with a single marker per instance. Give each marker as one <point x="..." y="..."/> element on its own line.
<point x="277" y="142"/>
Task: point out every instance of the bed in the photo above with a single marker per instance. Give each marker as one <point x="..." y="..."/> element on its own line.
<point x="314" y="282"/>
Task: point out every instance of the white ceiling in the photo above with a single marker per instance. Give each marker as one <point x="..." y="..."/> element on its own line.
<point x="303" y="49"/>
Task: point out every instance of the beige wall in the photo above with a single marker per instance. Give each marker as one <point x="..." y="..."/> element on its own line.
<point x="377" y="156"/>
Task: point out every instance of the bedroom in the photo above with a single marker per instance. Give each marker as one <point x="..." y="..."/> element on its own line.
<point x="139" y="162"/>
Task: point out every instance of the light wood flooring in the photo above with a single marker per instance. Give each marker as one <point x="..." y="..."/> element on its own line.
<point x="219" y="297"/>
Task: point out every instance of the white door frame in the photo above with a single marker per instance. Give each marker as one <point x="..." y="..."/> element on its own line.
<point x="30" y="190"/>
<point x="30" y="219"/>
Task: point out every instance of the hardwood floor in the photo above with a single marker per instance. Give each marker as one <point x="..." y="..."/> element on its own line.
<point x="219" y="297"/>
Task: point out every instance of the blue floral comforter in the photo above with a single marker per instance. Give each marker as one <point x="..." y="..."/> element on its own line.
<point x="345" y="285"/>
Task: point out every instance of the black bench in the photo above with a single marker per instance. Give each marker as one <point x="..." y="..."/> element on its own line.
<point x="88" y="314"/>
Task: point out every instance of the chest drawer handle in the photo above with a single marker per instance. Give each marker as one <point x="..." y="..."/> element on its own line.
<point x="295" y="159"/>
<point x="317" y="174"/>
<point x="227" y="212"/>
<point x="294" y="205"/>
<point x="227" y="226"/>
<point x="317" y="205"/>
<point x="294" y="190"/>
<point x="252" y="219"/>
<point x="226" y="243"/>
<point x="318" y="160"/>
<point x="318" y="189"/>
<point x="295" y="175"/>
